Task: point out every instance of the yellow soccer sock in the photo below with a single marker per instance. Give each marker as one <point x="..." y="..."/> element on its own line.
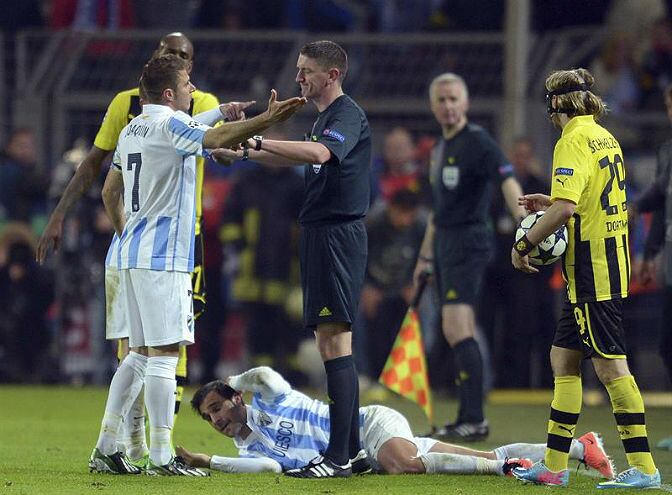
<point x="565" y="410"/>
<point x="181" y="378"/>
<point x="628" y="406"/>
<point x="120" y="352"/>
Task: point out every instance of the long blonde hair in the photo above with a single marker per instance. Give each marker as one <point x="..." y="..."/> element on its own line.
<point x="582" y="101"/>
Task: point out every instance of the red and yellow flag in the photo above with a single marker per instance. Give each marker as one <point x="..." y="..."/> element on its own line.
<point x="405" y="370"/>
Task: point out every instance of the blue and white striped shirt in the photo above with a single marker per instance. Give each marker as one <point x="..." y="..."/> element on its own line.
<point x="156" y="155"/>
<point x="287" y="426"/>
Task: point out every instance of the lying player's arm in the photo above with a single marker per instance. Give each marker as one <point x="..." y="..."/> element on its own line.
<point x="263" y="380"/>
<point x="230" y="464"/>
<point x="112" y="194"/>
<point x="245" y="464"/>
<point x="511" y="191"/>
<point x="86" y="173"/>
<point x="232" y="133"/>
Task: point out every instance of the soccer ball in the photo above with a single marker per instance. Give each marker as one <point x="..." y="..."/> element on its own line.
<point x="550" y="249"/>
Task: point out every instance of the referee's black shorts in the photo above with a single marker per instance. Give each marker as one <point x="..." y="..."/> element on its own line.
<point x="461" y="256"/>
<point x="594" y="328"/>
<point x="333" y="263"/>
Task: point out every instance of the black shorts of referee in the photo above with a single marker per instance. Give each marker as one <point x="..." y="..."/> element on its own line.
<point x="461" y="256"/>
<point x="333" y="264"/>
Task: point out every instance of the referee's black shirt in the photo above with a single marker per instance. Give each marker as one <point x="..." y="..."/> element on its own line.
<point x="463" y="169"/>
<point x="339" y="190"/>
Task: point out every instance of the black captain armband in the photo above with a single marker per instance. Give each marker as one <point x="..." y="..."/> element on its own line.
<point x="523" y="246"/>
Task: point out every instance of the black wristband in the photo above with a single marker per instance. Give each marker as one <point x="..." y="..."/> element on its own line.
<point x="523" y="246"/>
<point x="246" y="154"/>
<point x="258" y="140"/>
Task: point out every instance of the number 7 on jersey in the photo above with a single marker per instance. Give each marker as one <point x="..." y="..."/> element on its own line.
<point x="135" y="160"/>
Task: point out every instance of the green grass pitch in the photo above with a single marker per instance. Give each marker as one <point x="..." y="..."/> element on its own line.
<point x="46" y="435"/>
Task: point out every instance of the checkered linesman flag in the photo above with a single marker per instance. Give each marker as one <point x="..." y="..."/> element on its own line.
<point x="405" y="371"/>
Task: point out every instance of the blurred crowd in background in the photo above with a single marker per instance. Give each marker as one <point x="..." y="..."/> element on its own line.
<point x="52" y="317"/>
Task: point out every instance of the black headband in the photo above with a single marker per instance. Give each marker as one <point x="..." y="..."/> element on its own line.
<point x="563" y="91"/>
<point x="571" y="89"/>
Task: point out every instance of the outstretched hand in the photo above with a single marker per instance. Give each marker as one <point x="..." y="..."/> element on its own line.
<point x="235" y="110"/>
<point x="279" y="111"/>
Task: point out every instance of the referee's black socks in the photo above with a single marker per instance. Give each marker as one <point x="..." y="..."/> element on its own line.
<point x="354" y="443"/>
<point x="470" y="381"/>
<point x="342" y="390"/>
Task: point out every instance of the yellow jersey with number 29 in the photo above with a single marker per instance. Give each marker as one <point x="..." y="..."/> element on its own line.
<point x="588" y="169"/>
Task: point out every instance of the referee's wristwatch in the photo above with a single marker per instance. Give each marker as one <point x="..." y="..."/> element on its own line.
<point x="257" y="140"/>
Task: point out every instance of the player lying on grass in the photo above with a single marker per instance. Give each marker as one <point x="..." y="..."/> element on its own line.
<point x="283" y="429"/>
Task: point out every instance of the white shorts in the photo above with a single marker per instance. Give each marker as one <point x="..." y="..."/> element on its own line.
<point x="382" y="424"/>
<point x="116" y="323"/>
<point x="158" y="306"/>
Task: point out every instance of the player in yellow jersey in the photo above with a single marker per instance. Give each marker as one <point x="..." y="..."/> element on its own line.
<point x="124" y="107"/>
<point x="587" y="194"/>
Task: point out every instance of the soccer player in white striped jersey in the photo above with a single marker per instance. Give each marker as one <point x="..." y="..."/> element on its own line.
<point x="155" y="252"/>
<point x="283" y="428"/>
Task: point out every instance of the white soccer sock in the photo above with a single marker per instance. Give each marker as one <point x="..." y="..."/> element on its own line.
<point x="534" y="451"/>
<point x="438" y="462"/>
<point x="134" y="437"/>
<point x="160" y="388"/>
<point x="126" y="384"/>
<point x="576" y="450"/>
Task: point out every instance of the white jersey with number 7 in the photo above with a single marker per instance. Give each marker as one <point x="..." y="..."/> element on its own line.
<point x="156" y="154"/>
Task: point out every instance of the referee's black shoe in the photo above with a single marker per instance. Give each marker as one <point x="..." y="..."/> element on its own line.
<point x="321" y="467"/>
<point x="463" y="432"/>
<point x="361" y="464"/>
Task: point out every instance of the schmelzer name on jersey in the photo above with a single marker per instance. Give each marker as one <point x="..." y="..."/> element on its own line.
<point x="137" y="130"/>
<point x="602" y="144"/>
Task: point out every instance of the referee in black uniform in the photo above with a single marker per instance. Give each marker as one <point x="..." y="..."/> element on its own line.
<point x="337" y="154"/>
<point x="458" y="241"/>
